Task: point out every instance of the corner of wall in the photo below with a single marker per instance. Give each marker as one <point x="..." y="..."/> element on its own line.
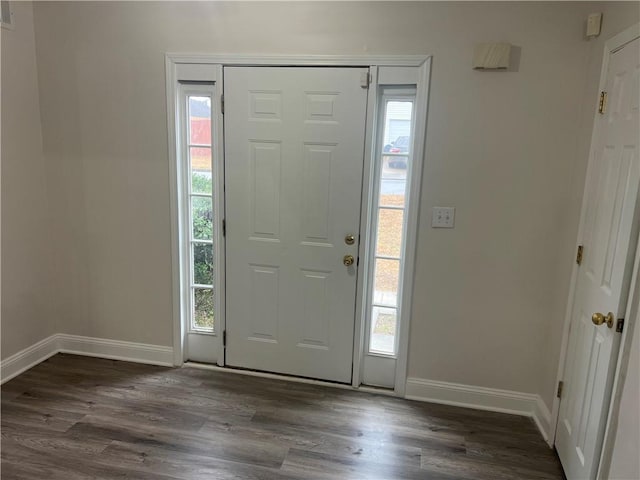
<point x="26" y="253"/>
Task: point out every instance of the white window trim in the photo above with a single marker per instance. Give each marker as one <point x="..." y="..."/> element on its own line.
<point x="385" y="70"/>
<point x="181" y="81"/>
<point x="413" y="77"/>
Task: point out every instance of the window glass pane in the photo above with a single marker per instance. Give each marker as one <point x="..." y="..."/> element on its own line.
<point x="202" y="218"/>
<point x="200" y="159"/>
<point x="395" y="155"/>
<point x="397" y="126"/>
<point x="389" y="234"/>
<point x="395" y="166"/>
<point x="202" y="264"/>
<point x="203" y="309"/>
<point x="393" y="180"/>
<point x="387" y="276"/>
<point x="383" y="330"/>
<point x="200" y="120"/>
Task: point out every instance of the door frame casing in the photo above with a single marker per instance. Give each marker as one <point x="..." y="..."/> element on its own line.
<point x="421" y="65"/>
<point x="612" y="45"/>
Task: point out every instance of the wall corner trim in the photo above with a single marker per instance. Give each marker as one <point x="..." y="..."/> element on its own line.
<point x="481" y="398"/>
<point x="86" y="346"/>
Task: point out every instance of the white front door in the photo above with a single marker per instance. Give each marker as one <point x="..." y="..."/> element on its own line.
<point x="609" y="239"/>
<point x="294" y="148"/>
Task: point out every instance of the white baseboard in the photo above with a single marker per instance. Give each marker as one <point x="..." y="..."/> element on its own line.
<point x="481" y="398"/>
<point x="87" y="346"/>
<point x="27" y="358"/>
<point x="116" y="350"/>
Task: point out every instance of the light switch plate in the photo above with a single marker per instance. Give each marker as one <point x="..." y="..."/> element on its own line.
<point x="443" y="217"/>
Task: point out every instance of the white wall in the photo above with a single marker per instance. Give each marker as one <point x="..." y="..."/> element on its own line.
<point x="507" y="149"/>
<point x="26" y="252"/>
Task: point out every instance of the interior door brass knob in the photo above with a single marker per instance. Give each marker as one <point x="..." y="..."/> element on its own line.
<point x="598" y="319"/>
<point x="349" y="239"/>
<point x="348" y="260"/>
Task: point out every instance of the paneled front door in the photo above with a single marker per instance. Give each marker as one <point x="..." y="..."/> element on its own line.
<point x="294" y="148"/>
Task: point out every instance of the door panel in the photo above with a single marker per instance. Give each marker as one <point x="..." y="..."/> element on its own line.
<point x="294" y="147"/>
<point x="610" y="238"/>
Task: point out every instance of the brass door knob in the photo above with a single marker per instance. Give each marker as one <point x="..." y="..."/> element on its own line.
<point x="349" y="239"/>
<point x="348" y="260"/>
<point x="598" y="319"/>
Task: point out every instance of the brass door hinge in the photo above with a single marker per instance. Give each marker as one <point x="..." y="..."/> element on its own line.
<point x="602" y="104"/>
<point x="222" y="104"/>
<point x="560" y="387"/>
<point x="579" y="255"/>
<point x="224" y="338"/>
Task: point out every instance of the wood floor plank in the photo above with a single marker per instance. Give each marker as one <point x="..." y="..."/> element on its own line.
<point x="21" y="462"/>
<point x="188" y="465"/>
<point x="54" y="420"/>
<point x="323" y="465"/>
<point x="222" y="446"/>
<point x="378" y="449"/>
<point x="465" y="466"/>
<point x="76" y="418"/>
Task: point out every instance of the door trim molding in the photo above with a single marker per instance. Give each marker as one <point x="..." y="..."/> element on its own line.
<point x="363" y="231"/>
<point x="611" y="45"/>
<point x="300" y="60"/>
<point x="422" y="63"/>
<point x="413" y="215"/>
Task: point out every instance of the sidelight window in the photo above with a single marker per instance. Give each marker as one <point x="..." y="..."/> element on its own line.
<point x="393" y="167"/>
<point x="198" y="207"/>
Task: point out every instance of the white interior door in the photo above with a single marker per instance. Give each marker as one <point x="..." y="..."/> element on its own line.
<point x="609" y="239"/>
<point x="294" y="147"/>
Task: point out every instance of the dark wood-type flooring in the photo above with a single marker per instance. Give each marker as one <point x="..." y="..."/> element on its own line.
<point x="78" y="418"/>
